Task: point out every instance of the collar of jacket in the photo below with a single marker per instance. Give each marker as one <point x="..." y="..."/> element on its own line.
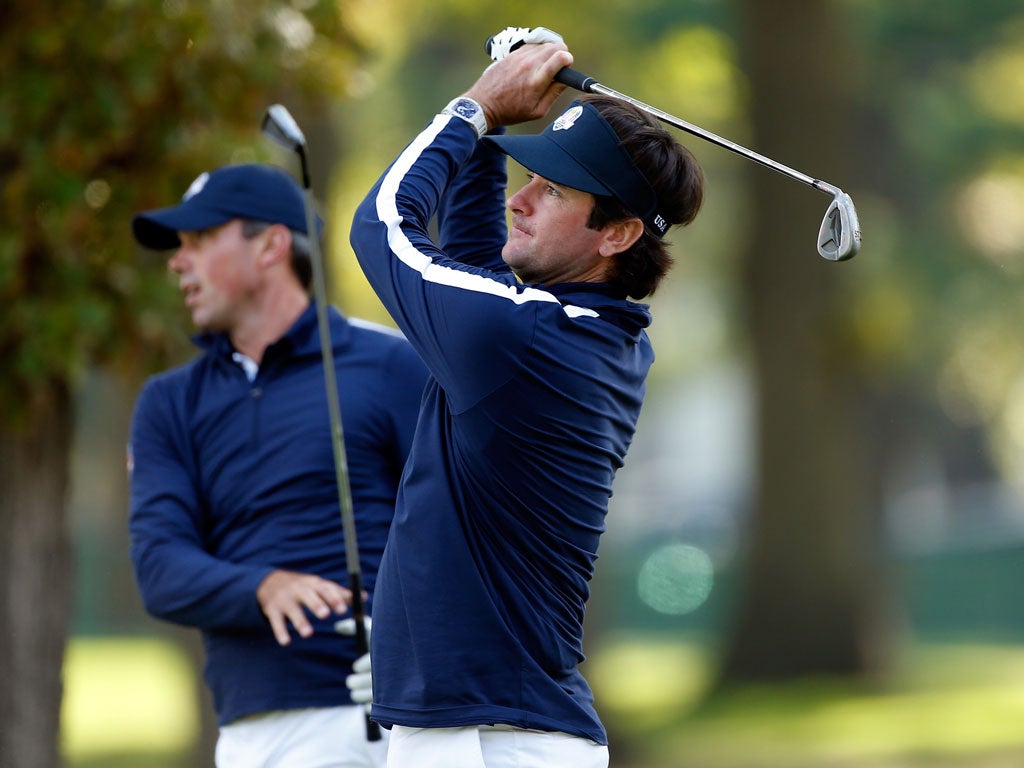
<point x="303" y="338"/>
<point x="610" y="303"/>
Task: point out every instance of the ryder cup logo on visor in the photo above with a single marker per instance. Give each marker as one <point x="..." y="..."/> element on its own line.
<point x="567" y="119"/>
<point x="196" y="186"/>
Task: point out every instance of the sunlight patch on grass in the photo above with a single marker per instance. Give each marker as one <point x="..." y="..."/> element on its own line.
<point x="126" y="695"/>
<point x="956" y="700"/>
<point x="648" y="680"/>
<point x="784" y="724"/>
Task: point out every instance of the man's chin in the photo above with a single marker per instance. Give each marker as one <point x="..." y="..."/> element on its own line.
<point x="511" y="255"/>
<point x="203" y="324"/>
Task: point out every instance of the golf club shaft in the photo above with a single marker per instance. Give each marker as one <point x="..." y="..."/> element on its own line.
<point x="587" y="84"/>
<point x="279" y="126"/>
<point x="348" y="523"/>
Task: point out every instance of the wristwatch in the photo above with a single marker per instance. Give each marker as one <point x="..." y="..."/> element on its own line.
<point x="470" y="111"/>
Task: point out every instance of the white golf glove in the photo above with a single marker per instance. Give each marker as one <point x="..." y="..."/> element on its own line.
<point x="502" y="44"/>
<point x="360" y="682"/>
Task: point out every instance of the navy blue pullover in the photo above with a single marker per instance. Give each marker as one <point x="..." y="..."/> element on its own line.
<point x="532" y="403"/>
<point x="231" y="480"/>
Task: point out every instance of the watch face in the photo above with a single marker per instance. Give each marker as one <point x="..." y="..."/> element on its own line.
<point x="470" y="111"/>
<point x="466" y="108"/>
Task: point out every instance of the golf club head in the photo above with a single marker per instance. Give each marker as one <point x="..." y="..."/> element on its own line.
<point x="280" y="127"/>
<point x="839" y="236"/>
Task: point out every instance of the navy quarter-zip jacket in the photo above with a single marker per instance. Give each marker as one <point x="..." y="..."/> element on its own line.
<point x="532" y="403"/>
<point x="231" y="479"/>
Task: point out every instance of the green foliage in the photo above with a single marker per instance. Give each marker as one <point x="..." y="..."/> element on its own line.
<point x="113" y="107"/>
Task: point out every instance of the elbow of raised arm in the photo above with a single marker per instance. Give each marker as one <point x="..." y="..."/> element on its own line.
<point x="363" y="224"/>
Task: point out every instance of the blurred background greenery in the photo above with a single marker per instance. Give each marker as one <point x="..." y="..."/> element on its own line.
<point x="815" y="548"/>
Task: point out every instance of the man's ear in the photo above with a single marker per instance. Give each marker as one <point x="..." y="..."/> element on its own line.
<point x="620" y="235"/>
<point x="277" y="245"/>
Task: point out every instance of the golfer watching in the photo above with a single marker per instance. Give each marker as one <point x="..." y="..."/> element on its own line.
<point x="538" y="360"/>
<point x="235" y="522"/>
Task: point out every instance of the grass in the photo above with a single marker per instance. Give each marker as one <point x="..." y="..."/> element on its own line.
<point x="130" y="703"/>
<point x="125" y="697"/>
<point x="950" y="705"/>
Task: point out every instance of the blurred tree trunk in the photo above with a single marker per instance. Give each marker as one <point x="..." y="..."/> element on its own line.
<point x="35" y="574"/>
<point x="812" y="602"/>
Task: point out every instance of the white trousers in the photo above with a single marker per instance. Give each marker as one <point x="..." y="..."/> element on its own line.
<point x="321" y="737"/>
<point x="486" y="746"/>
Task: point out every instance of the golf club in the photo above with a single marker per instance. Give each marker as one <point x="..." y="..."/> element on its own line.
<point x="280" y="127"/>
<point x="839" y="235"/>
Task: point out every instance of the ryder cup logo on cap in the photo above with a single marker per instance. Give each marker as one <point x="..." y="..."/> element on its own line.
<point x="255" y="191"/>
<point x="567" y="119"/>
<point x="196" y="186"/>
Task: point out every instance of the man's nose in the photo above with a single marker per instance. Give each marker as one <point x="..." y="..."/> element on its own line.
<point x="178" y="261"/>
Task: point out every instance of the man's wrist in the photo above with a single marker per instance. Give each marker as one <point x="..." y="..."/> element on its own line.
<point x="469" y="110"/>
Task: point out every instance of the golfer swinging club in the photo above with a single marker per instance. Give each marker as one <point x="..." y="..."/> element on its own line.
<point x="538" y="360"/>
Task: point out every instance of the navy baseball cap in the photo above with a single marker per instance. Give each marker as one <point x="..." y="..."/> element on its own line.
<point x="253" y="191"/>
<point x="581" y="150"/>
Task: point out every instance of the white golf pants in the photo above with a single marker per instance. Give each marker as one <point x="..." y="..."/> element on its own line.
<point x="487" y="746"/>
<point x="322" y="737"/>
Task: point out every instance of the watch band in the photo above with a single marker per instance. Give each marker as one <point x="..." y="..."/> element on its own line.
<point x="470" y="111"/>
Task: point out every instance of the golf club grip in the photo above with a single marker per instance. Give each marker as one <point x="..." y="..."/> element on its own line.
<point x="575" y="79"/>
<point x="355" y="581"/>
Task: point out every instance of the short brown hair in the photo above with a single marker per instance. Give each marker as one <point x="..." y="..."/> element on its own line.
<point x="678" y="182"/>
